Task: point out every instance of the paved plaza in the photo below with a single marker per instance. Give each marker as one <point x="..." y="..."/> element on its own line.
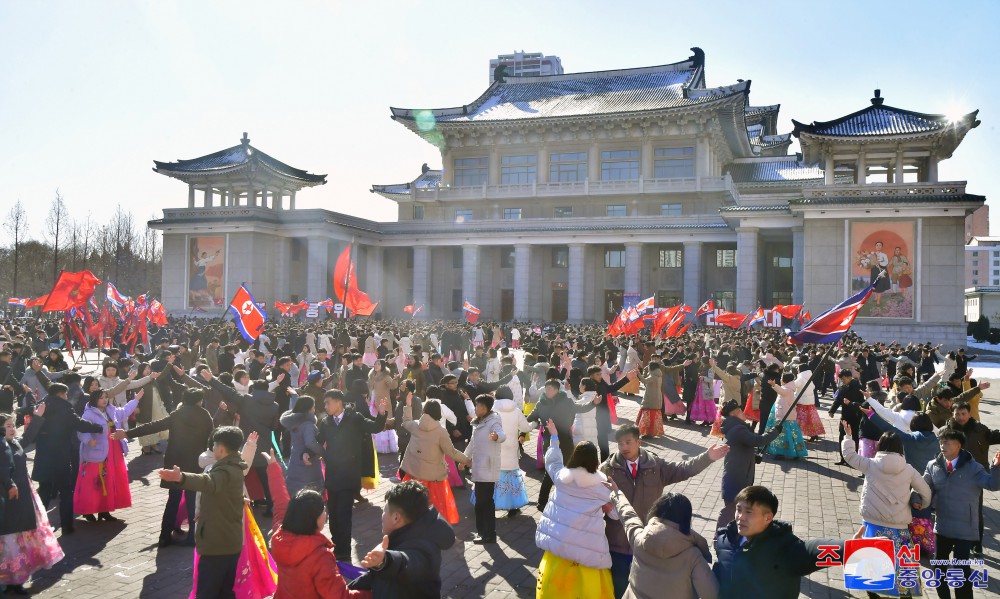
<point x="110" y="560"/>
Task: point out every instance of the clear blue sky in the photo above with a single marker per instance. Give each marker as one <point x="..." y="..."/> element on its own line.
<point x="92" y="92"/>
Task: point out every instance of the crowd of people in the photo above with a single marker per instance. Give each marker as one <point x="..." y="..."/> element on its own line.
<point x="297" y="422"/>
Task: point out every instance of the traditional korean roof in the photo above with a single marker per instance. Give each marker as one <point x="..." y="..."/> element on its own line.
<point x="582" y="94"/>
<point x="880" y="120"/>
<point x="429" y="178"/>
<point x="890" y="199"/>
<point x="767" y="116"/>
<point x="760" y="141"/>
<point x="748" y="208"/>
<point x="234" y="158"/>
<point x="773" y="171"/>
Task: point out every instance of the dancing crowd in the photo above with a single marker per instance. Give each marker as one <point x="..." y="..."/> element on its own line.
<point x="266" y="445"/>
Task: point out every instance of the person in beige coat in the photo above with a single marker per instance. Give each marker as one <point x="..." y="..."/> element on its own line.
<point x="669" y="557"/>
<point x="732" y="382"/>
<point x="423" y="459"/>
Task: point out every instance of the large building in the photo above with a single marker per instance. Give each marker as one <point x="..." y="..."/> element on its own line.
<point x="526" y="64"/>
<point x="564" y="196"/>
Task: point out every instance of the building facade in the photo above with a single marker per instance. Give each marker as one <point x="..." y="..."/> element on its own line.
<point x="563" y="196"/>
<point x="526" y="64"/>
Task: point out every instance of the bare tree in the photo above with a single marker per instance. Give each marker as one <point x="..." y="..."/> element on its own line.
<point x="16" y="226"/>
<point x="55" y="224"/>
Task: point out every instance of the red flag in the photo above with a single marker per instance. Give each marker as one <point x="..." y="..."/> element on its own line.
<point x="72" y="290"/>
<point x="248" y="316"/>
<point x="705" y="308"/>
<point x="674" y="329"/>
<point x="409" y="309"/>
<point x="38" y="301"/>
<point x="614" y="329"/>
<point x="731" y="319"/>
<point x="685" y="328"/>
<point x="345" y="285"/>
<point x="663" y="319"/>
<point x="787" y="311"/>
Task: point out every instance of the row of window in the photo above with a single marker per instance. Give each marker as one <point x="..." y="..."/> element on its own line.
<point x="996" y="273"/>
<point x="615" y="258"/>
<point x="569" y="167"/>
<point x="995" y="263"/>
<point x="725" y="300"/>
<point x="463" y="215"/>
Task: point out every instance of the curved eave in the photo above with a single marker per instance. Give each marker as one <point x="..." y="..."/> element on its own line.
<point x="966" y="200"/>
<point x="306" y="180"/>
<point x="183" y="175"/>
<point x="801" y="128"/>
<point x="201" y="174"/>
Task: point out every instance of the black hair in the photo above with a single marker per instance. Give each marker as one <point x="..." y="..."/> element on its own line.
<point x="410" y="499"/>
<point x="890" y="442"/>
<point x="625" y="430"/>
<point x="334" y="394"/>
<point x="231" y="437"/>
<point x="950" y="434"/>
<point x="432" y="408"/>
<point x="485" y="400"/>
<point x="303" y="404"/>
<point x="303" y="512"/>
<point x="585" y="456"/>
<point x="57" y="388"/>
<point x="922" y="423"/>
<point x="964" y="405"/>
<point x="193" y="396"/>
<point x="758" y="495"/>
<point x="588" y="384"/>
<point x="94" y="397"/>
<point x="675" y="508"/>
<point x="554" y="383"/>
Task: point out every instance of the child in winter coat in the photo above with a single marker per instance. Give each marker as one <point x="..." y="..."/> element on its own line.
<point x="484" y="453"/>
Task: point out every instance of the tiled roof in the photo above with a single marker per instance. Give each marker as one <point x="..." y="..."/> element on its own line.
<point x="769" y="171"/>
<point x="758" y="110"/>
<point x="887" y="199"/>
<point x="427" y="180"/>
<point x="768" y="208"/>
<point x="878" y="119"/>
<point x="757" y="138"/>
<point x="233" y="157"/>
<point x="602" y="92"/>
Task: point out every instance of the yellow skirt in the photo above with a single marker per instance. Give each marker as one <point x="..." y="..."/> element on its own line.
<point x="528" y="407"/>
<point x="371" y="482"/>
<point x="560" y="578"/>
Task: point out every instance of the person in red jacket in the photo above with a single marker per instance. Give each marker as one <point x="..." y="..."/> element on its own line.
<point x="307" y="568"/>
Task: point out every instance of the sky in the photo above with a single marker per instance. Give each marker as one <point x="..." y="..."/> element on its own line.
<point x="92" y="92"/>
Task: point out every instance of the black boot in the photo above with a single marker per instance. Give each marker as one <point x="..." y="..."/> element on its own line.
<point x="166" y="539"/>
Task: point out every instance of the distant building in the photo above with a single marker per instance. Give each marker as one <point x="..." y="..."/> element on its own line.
<point x="977" y="224"/>
<point x="982" y="262"/>
<point x="983" y="301"/>
<point x="527" y="64"/>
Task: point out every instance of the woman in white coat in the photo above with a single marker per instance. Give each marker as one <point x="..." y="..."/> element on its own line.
<point x="577" y="560"/>
<point x="510" y="493"/>
<point x="585" y="423"/>
<point x="109" y="380"/>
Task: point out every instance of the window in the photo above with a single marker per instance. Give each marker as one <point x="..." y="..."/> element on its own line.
<point x="975" y="253"/>
<point x="725" y="259"/>
<point x="996" y="263"/>
<point x="418" y="213"/>
<point x="783" y="298"/>
<point x="725" y="300"/>
<point x="975" y="272"/>
<point x="296" y="249"/>
<point x="456" y="300"/>
<point x="670" y="259"/>
<point x="975" y="281"/>
<point x="507" y="256"/>
<point x="471" y="171"/>
<point x="996" y="273"/>
<point x="617" y="210"/>
<point x="673" y="163"/>
<point x="562" y="211"/>
<point x="560" y="257"/>
<point x="781" y="262"/>
<point x="568" y="167"/>
<point x="512" y="214"/>
<point x="671" y="209"/>
<point x="620" y="165"/>
<point x="463" y="216"/>
<point x="975" y="262"/>
<point x="667" y="299"/>
<point x="456" y="257"/>
<point x="517" y="170"/>
<point x="614" y="258"/>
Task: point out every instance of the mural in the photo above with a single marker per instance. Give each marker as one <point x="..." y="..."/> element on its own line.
<point x="207" y="271"/>
<point x="885" y="248"/>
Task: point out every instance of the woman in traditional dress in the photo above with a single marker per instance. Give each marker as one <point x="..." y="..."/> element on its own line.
<point x="510" y="493"/>
<point x="151" y="409"/>
<point x="879" y="265"/>
<point x="703" y="409"/>
<point x="102" y="483"/>
<point x="790" y="443"/>
<point x="27" y="542"/>
<point x="899" y="272"/>
<point x="650" y="418"/>
<point x="382" y="383"/>
<point x="806" y="414"/>
<point x="198" y="287"/>
<point x="424" y="457"/>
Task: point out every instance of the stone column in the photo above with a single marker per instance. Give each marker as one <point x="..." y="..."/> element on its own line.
<point x="577" y="285"/>
<point x="291" y="201"/>
<point x="828" y="171"/>
<point x="190" y="196"/>
<point x="317" y="269"/>
<point x="470" y="273"/>
<point x="932" y="169"/>
<point x="594" y="163"/>
<point x="862" y="168"/>
<point x="421" y="274"/>
<point x="646" y="160"/>
<point x="899" y="166"/>
<point x="692" y="273"/>
<point x="746" y="269"/>
<point x="208" y="197"/>
<point x="633" y="266"/>
<point x="282" y="270"/>
<point x="494" y="175"/>
<point x="542" y="165"/>
<point x="373" y="272"/>
<point x="798" y="264"/>
<point x="522" y="281"/>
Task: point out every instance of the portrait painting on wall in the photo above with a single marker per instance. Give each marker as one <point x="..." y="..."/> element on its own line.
<point x="883" y="252"/>
<point x="206" y="272"/>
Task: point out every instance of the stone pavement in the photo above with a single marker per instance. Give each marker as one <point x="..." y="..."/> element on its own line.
<point x="110" y="560"/>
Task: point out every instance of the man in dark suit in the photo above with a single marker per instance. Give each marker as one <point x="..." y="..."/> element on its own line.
<point x="342" y="434"/>
<point x="849" y="398"/>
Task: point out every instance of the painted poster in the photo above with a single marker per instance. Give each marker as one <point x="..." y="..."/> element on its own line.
<point x="886" y="248"/>
<point x="207" y="271"/>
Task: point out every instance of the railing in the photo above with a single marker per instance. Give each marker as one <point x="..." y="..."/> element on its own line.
<point x="578" y="188"/>
<point x="887" y="189"/>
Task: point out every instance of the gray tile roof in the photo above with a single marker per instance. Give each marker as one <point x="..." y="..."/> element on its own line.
<point x="578" y="94"/>
<point x="768" y="208"/>
<point x="767" y="171"/>
<point x="888" y="199"/>
<point x="879" y="119"/>
<point x="236" y="156"/>
<point x="427" y="180"/>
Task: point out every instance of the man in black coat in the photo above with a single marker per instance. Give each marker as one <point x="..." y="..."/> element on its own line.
<point x="57" y="453"/>
<point x="849" y="398"/>
<point x="603" y="413"/>
<point x="740" y="465"/>
<point x="454" y="396"/>
<point x="342" y="433"/>
<point x="767" y="393"/>
<point x="758" y="557"/>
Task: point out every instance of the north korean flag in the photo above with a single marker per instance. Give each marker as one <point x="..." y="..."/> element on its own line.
<point x="705" y="308"/>
<point x="831" y="325"/>
<point x="248" y="316"/>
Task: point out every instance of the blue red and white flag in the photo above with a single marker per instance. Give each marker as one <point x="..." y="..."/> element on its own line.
<point x="757" y="318"/>
<point x="705" y="308"/>
<point x="646" y="304"/>
<point x="248" y="316"/>
<point x="114" y="297"/>
<point x="17" y="301"/>
<point x="831" y="325"/>
<point x="471" y="312"/>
